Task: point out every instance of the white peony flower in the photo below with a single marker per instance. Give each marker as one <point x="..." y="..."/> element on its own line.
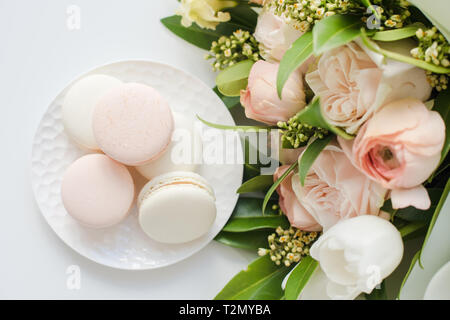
<point x="205" y="13"/>
<point x="356" y="255"/>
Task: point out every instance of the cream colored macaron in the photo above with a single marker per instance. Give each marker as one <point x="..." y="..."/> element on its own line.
<point x="176" y="207"/>
<point x="78" y="107"/>
<point x="183" y="152"/>
<point x="97" y="191"/>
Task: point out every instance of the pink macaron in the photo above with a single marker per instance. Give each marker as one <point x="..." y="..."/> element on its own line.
<point x="133" y="124"/>
<point x="97" y="191"/>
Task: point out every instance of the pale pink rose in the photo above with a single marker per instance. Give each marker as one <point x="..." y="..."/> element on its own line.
<point x="400" y="147"/>
<point x="275" y="35"/>
<point x="334" y="189"/>
<point x="289" y="204"/>
<point x="353" y="84"/>
<point x="347" y="81"/>
<point x="260" y="99"/>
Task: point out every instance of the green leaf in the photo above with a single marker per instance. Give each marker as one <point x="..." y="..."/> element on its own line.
<point x="402" y="58"/>
<point x="247" y="216"/>
<point x="195" y="35"/>
<point x="335" y="31"/>
<point x="300" y="51"/>
<point x="252" y="240"/>
<point x="442" y="105"/>
<point x="276" y="184"/>
<point x="411" y="228"/>
<point x="435" y="216"/>
<point x="397" y="34"/>
<point x="225" y="127"/>
<point x="256" y="223"/>
<point x="259" y="183"/>
<point x="230" y="102"/>
<point x="310" y="155"/>
<point x="411" y="266"/>
<point x="260" y="281"/>
<point x="244" y="16"/>
<point x="233" y="79"/>
<point x="299" y="277"/>
<point x="312" y="115"/>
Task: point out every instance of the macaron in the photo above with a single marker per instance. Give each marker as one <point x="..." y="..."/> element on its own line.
<point x="133" y="124"/>
<point x="176" y="207"/>
<point x="78" y="107"/>
<point x="181" y="154"/>
<point x="97" y="191"/>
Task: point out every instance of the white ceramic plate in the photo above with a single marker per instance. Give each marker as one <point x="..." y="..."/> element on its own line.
<point x="125" y="246"/>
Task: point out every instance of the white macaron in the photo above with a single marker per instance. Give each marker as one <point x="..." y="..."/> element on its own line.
<point x="79" y="104"/>
<point x="176" y="207"/>
<point x="183" y="152"/>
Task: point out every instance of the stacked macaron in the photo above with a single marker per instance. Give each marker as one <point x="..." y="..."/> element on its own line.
<point x="131" y="124"/>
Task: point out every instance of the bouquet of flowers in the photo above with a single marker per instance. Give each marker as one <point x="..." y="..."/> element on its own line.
<point x="357" y="94"/>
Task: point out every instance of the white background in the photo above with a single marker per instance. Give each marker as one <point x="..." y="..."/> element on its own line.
<point x="39" y="56"/>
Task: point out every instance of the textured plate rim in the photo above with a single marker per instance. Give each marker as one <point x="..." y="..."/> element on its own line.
<point x="34" y="185"/>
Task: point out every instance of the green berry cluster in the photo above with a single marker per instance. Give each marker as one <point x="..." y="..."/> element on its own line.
<point x="298" y="134"/>
<point x="433" y="48"/>
<point x="288" y="246"/>
<point x="305" y="13"/>
<point x="393" y="14"/>
<point x="227" y="51"/>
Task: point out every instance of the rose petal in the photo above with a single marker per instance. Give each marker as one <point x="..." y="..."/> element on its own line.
<point x="416" y="197"/>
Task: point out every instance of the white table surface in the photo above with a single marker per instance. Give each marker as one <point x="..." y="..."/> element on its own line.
<point x="39" y="55"/>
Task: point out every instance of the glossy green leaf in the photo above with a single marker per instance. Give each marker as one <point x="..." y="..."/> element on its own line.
<point x="397" y="34"/>
<point x="312" y="115"/>
<point x="402" y="58"/>
<point x="247" y="216"/>
<point x="195" y="35"/>
<point x="230" y="102"/>
<point x="260" y="281"/>
<point x="256" y="223"/>
<point x="233" y="79"/>
<point x="411" y="228"/>
<point x="300" y="51"/>
<point x="226" y="127"/>
<point x="276" y="184"/>
<point x="442" y="105"/>
<point x="244" y="16"/>
<point x="310" y="155"/>
<point x="335" y="31"/>
<point x="435" y="215"/>
<point x="252" y="240"/>
<point x="258" y="183"/>
<point x="299" y="277"/>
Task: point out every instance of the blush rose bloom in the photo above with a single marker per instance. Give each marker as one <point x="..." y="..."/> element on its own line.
<point x="334" y="190"/>
<point x="260" y="99"/>
<point x="275" y="35"/>
<point x="205" y="13"/>
<point x="353" y="84"/>
<point x="400" y="147"/>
